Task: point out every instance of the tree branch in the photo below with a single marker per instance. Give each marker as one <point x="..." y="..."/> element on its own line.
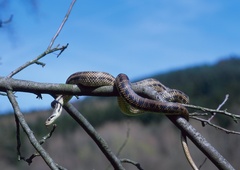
<point x="81" y="120"/>
<point x="49" y="49"/>
<point x="54" y="88"/>
<point x="204" y="121"/>
<point x="219" y="107"/>
<point x="35" y="61"/>
<point x="218" y="160"/>
<point x="29" y="133"/>
<point x="204" y="109"/>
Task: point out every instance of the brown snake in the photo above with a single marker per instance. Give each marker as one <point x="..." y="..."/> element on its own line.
<point x="130" y="102"/>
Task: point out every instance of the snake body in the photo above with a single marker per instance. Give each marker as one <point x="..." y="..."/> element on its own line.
<point x="169" y="108"/>
<point x="91" y="79"/>
<point x="130" y="102"/>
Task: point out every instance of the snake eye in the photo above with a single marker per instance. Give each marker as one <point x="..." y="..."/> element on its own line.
<point x="53" y="104"/>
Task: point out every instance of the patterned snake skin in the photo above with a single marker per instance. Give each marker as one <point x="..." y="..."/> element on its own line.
<point x="131" y="103"/>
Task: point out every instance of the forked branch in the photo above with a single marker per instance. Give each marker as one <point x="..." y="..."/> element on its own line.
<point x="49" y="161"/>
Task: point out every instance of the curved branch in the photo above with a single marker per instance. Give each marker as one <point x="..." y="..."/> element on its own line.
<point x="132" y="162"/>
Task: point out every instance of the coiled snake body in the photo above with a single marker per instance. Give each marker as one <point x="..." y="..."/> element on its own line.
<point x="130" y="102"/>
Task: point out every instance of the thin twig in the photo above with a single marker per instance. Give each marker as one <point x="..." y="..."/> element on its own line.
<point x="208" y="121"/>
<point x="30" y="159"/>
<point x="62" y="50"/>
<point x="49" y="49"/>
<point x="18" y="138"/>
<point x="224" y="112"/>
<point x="35" y="61"/>
<point x="219" y="107"/>
<point x="132" y="162"/>
<point x="43" y="140"/>
<point x="61" y="26"/>
<point x="204" y="161"/>
<point x="224" y="101"/>
<point x="215" y="126"/>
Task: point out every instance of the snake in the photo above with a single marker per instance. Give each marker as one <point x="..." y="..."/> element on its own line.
<point x="131" y="103"/>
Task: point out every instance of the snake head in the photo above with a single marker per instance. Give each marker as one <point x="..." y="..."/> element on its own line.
<point x="57" y="110"/>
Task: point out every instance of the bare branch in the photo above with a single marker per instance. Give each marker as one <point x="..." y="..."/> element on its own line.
<point x="61" y="26"/>
<point x="132" y="162"/>
<point x="208" y="121"/>
<point x="82" y="121"/>
<point x="43" y="140"/>
<point x="218" y="160"/>
<point x="53" y="88"/>
<point x="49" y="49"/>
<point x="224" y="101"/>
<point x="219" y="107"/>
<point x="204" y="109"/>
<point x="29" y="133"/>
<point x="215" y="126"/>
<point x="18" y="137"/>
<point x="35" y="61"/>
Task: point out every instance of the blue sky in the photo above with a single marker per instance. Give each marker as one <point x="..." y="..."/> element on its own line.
<point x="139" y="38"/>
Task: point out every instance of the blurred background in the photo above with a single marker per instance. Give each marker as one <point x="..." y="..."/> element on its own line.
<point x="189" y="45"/>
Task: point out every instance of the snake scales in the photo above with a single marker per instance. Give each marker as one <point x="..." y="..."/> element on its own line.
<point x="130" y="102"/>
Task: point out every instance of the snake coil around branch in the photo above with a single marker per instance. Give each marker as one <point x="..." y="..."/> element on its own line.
<point x="130" y="102"/>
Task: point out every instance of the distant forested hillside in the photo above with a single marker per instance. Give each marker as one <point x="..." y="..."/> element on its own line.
<point x="207" y="85"/>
